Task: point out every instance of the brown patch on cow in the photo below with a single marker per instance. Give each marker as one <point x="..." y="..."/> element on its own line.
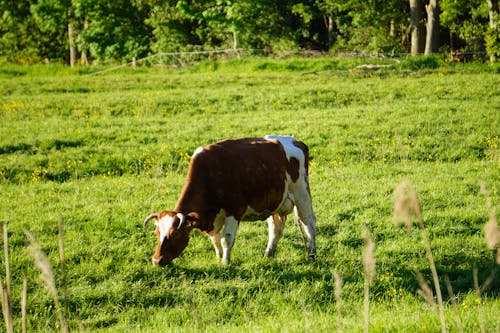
<point x="293" y="169"/>
<point x="233" y="175"/>
<point x="166" y="212"/>
<point x="302" y="146"/>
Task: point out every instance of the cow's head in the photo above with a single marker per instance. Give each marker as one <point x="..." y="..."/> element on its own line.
<point x="172" y="230"/>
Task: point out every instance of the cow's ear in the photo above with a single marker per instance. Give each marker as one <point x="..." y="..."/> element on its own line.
<point x="193" y="219"/>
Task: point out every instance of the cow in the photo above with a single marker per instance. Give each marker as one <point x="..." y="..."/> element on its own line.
<point x="237" y="180"/>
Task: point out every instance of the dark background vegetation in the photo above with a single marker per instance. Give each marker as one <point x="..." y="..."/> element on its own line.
<point x="104" y="31"/>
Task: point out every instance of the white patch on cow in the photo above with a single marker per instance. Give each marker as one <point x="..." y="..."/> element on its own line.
<point x="286" y="206"/>
<point x="276" y="224"/>
<point x="291" y="150"/>
<point x="298" y="192"/>
<point x="164" y="225"/>
<point x="214" y="234"/>
<point x="198" y="151"/>
<point x="228" y="237"/>
<point x="216" y="242"/>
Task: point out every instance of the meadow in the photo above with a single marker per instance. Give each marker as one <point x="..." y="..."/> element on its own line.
<point x="98" y="153"/>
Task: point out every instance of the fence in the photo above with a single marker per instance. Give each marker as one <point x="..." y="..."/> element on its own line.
<point x="182" y="59"/>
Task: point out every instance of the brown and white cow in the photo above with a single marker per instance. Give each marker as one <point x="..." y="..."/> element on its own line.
<point x="238" y="180"/>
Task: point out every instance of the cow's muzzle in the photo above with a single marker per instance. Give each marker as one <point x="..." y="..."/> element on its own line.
<point x="159" y="261"/>
<point x="156" y="261"/>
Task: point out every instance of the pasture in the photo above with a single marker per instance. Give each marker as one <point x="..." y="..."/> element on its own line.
<point x="98" y="153"/>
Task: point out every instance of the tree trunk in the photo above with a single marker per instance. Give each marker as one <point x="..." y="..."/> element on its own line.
<point x="235" y="40"/>
<point x="415" y="27"/>
<point x="493" y="13"/>
<point x="83" y="59"/>
<point x="432" y="38"/>
<point x="71" y="41"/>
<point x="329" y="29"/>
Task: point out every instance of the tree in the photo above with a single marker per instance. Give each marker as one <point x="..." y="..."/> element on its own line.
<point x="117" y="30"/>
<point x="51" y="18"/>
<point x="492" y="37"/>
<point x="19" y="38"/>
<point x="432" y="27"/>
<point x="96" y="30"/>
<point x="364" y="26"/>
<point x="467" y="24"/>
<point x="416" y="27"/>
<point x="71" y="36"/>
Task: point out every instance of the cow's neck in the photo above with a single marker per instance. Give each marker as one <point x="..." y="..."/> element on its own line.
<point x="192" y="201"/>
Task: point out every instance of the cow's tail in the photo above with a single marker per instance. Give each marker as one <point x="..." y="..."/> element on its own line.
<point x="299" y="225"/>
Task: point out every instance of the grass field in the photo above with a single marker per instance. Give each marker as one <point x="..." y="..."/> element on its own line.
<point x="100" y="152"/>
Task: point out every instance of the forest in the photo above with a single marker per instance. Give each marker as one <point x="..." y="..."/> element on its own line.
<point x="94" y="31"/>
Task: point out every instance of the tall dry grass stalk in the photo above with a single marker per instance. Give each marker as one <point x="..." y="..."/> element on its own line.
<point x="454" y="304"/>
<point x="43" y="264"/>
<point x="369" y="266"/>
<point x="337" y="287"/>
<point x="406" y="207"/>
<point x="5" y="291"/>
<point x="491" y="229"/>
<point x="425" y="290"/>
<point x="477" y="288"/>
<point x="63" y="267"/>
<point x="24" y="305"/>
<point x="6" y="308"/>
<point x="406" y="211"/>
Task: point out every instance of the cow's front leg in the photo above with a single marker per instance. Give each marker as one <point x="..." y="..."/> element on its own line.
<point x="228" y="237"/>
<point x="216" y="242"/>
<point x="276" y="224"/>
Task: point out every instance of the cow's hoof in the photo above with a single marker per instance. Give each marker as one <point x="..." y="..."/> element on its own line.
<point x="269" y="253"/>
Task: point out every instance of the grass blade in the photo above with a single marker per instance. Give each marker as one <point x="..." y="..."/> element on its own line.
<point x="43" y="264"/>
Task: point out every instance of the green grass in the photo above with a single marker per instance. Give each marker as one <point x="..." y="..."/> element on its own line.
<point x="102" y="151"/>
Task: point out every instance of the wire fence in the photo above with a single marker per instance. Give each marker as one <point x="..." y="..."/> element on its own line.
<point x="182" y="59"/>
<point x="186" y="58"/>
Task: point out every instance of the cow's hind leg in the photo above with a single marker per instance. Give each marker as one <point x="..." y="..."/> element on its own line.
<point x="228" y="237"/>
<point x="276" y="224"/>
<point x="304" y="213"/>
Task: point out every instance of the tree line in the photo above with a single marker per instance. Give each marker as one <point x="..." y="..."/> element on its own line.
<point x="99" y="31"/>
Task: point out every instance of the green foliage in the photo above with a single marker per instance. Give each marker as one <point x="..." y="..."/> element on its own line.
<point x="102" y="151"/>
<point x="34" y="31"/>
<point x="492" y="40"/>
<point x="467" y="22"/>
<point x="364" y="27"/>
<point x="19" y="36"/>
<point x="422" y="62"/>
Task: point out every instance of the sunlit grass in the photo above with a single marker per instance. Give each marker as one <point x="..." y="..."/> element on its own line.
<point x="101" y="152"/>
